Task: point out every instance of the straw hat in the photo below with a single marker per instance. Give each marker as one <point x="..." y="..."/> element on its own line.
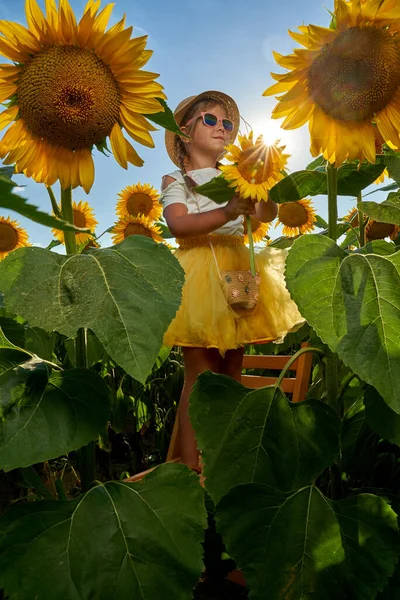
<point x="224" y="100"/>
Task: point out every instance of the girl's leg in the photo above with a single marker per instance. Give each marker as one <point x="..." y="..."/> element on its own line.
<point x="197" y="360"/>
<point x="231" y="364"/>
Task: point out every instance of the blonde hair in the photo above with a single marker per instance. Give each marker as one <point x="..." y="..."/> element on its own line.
<point x="180" y="146"/>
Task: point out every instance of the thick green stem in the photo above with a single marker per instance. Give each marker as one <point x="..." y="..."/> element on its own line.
<point x="331" y="380"/>
<point x="54" y="205"/>
<point x="332" y="200"/>
<point x="87" y="453"/>
<point x="361" y="222"/>
<point x="251" y="246"/>
<point x="68" y="215"/>
<point x="294" y="358"/>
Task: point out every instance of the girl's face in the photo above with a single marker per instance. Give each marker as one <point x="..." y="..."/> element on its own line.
<point x="210" y="139"/>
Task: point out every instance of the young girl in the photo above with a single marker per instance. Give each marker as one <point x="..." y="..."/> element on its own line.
<point x="211" y="334"/>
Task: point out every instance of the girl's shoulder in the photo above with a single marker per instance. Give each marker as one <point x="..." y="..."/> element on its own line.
<point x="173" y="176"/>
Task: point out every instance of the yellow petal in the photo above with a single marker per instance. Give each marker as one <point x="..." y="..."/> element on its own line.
<point x="133" y="156"/>
<point x="86" y="169"/>
<point x="118" y="146"/>
<point x="8" y="116"/>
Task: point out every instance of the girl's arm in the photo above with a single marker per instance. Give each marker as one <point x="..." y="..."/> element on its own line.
<point x="266" y="211"/>
<point x="182" y="224"/>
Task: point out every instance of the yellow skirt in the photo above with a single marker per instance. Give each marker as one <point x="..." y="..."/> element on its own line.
<point x="205" y="320"/>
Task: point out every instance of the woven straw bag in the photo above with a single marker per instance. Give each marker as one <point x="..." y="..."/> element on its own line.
<point x="241" y="289"/>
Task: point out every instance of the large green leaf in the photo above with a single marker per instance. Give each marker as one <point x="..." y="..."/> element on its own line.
<point x="127" y="295"/>
<point x="40" y="342"/>
<point x="120" y="540"/>
<point x="301" y="545"/>
<point x="20" y="205"/>
<point x="353" y="303"/>
<point x="166" y="119"/>
<point x="259" y="436"/>
<point x="380" y="417"/>
<point x="218" y="189"/>
<point x="351" y="181"/>
<point x="44" y="413"/>
<point x="387" y="211"/>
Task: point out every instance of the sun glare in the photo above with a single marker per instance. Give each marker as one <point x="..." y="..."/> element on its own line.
<point x="271" y="131"/>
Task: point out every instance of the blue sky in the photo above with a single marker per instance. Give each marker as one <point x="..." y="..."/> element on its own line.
<point x="214" y="44"/>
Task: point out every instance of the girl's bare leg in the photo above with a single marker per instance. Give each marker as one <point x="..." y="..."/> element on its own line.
<point x="197" y="360"/>
<point x="231" y="364"/>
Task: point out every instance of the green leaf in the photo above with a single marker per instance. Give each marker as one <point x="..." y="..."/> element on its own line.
<point x="282" y="242"/>
<point x="13" y="331"/>
<point x="380" y="417"/>
<point x="166" y="119"/>
<point x="356" y="440"/>
<point x="351" y="181"/>
<point x="218" y="189"/>
<point x="7" y="172"/>
<point x="20" y="205"/>
<point x="353" y="303"/>
<point x="40" y="342"/>
<point x="380" y="247"/>
<point x="392" y="162"/>
<point x="45" y="414"/>
<point x="127" y="295"/>
<point x="385" y="188"/>
<point x="318" y="162"/>
<point x="302" y="545"/>
<point x="241" y="433"/>
<point x="320" y="222"/>
<point x="119" y="540"/>
<point x="387" y="211"/>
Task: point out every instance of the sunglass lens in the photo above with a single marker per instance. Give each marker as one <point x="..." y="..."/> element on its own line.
<point x="210" y="120"/>
<point x="228" y="125"/>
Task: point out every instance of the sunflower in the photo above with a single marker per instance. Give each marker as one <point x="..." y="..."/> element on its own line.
<point x="83" y="217"/>
<point x="296" y="217"/>
<point x="344" y="81"/>
<point x="256" y="167"/>
<point x="129" y="225"/>
<point x="375" y="230"/>
<point x="352" y="217"/>
<point x="258" y="229"/>
<point x="72" y="86"/>
<point x="138" y="200"/>
<point x="12" y="236"/>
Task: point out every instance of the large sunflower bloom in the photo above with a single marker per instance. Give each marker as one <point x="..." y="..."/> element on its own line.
<point x="258" y="230"/>
<point x="296" y="217"/>
<point x="376" y="230"/>
<point x="352" y="217"/>
<point x="256" y="167"/>
<point x="84" y="218"/>
<point x="129" y="225"/>
<point x="72" y="86"/>
<point x="138" y="200"/>
<point x="345" y="80"/>
<point x="12" y="236"/>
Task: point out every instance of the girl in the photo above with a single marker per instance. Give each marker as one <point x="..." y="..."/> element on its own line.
<point x="211" y="334"/>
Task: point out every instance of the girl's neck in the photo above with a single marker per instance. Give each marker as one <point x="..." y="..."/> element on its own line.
<point x="201" y="161"/>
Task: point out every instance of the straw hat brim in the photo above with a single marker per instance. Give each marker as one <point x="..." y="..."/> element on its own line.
<point x="224" y="100"/>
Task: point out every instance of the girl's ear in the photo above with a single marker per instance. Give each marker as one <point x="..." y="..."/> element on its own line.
<point x="184" y="139"/>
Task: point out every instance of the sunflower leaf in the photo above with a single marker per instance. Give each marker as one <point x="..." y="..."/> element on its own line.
<point x="45" y="413"/>
<point x="352" y="179"/>
<point x="166" y="119"/>
<point x="127" y="295"/>
<point x="320" y="161"/>
<point x="386" y="188"/>
<point x="352" y="301"/>
<point x="143" y="536"/>
<point x="217" y="189"/>
<point x="20" y="205"/>
<point x="380" y="417"/>
<point x="238" y="450"/>
<point x="387" y="211"/>
<point x="303" y="545"/>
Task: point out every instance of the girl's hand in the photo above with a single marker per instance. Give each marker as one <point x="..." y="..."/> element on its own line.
<point x="239" y="206"/>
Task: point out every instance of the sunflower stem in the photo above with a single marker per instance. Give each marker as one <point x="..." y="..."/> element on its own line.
<point x="53" y="200"/>
<point x="331" y="171"/>
<point x="251" y="246"/>
<point x="361" y="223"/>
<point x="67" y="213"/>
<point x="86" y="455"/>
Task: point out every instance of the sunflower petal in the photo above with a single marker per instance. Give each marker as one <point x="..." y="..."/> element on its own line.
<point x="118" y="146"/>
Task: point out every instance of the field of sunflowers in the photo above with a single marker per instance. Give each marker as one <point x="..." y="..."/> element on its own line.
<point x="301" y="498"/>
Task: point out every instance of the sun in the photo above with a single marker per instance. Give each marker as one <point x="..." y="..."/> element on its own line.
<point x="271" y="132"/>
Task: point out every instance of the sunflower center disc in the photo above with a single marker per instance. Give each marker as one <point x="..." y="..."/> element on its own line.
<point x="8" y="237"/>
<point x="139" y="203"/>
<point x="378" y="231"/>
<point x="68" y="97"/>
<point x="356" y="75"/>
<point x="79" y="219"/>
<point x="292" y="214"/>
<point x="136" y="229"/>
<point x="251" y="165"/>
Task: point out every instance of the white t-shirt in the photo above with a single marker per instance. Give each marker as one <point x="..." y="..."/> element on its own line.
<point x="179" y="193"/>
